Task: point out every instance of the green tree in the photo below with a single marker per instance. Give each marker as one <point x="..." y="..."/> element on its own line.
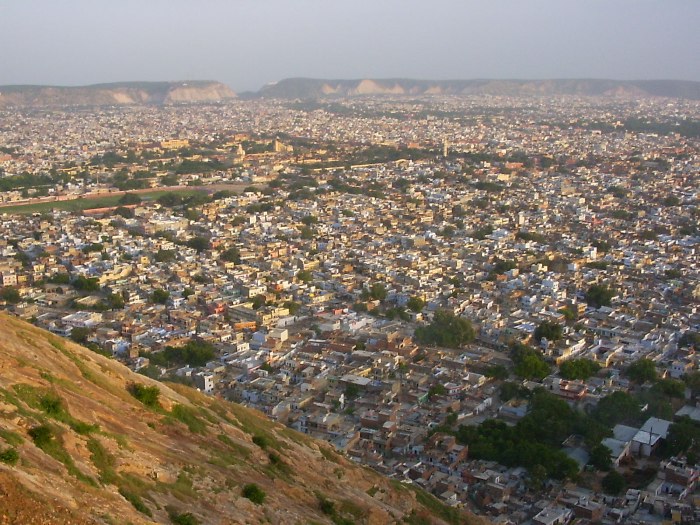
<point x="79" y="335"/>
<point x="198" y="243"/>
<point x="307" y="233"/>
<point x="59" y="278"/>
<point x="692" y="381"/>
<point x="352" y="391"/>
<point x="600" y="457"/>
<point x="129" y="199"/>
<point x="169" y="200"/>
<point x="170" y="180"/>
<point x="193" y="353"/>
<point x="671" y="200"/>
<point x="437" y="390"/>
<point x="446" y="329"/>
<point x="292" y="306"/>
<point x="689" y="339"/>
<point x="501" y="266"/>
<point x="10" y="294"/>
<point x="415" y="304"/>
<point x="641" y="371"/>
<point x="578" y="369"/>
<point x="670" y="388"/>
<point x="599" y="295"/>
<point x="232" y="255"/>
<point x="614" y="483"/>
<point x="115" y="301"/>
<point x="529" y="363"/>
<point x="42" y="435"/>
<point x="258" y="302"/>
<point x="511" y="390"/>
<point x="617" y="407"/>
<point x="86" y="284"/>
<point x="377" y="291"/>
<point x="683" y="436"/>
<point x="359" y="307"/>
<point x="497" y="372"/>
<point x="568" y="314"/>
<point x="164" y="256"/>
<point x="160" y="296"/>
<point x="549" y="330"/>
<point x="305" y="276"/>
<point x="538" y="475"/>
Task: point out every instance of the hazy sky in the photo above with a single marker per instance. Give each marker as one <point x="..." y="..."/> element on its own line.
<point x="247" y="43"/>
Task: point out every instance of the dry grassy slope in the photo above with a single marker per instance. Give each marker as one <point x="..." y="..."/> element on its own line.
<point x="160" y="458"/>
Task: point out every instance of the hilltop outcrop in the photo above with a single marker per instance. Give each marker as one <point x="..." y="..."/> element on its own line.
<point x="123" y="93"/>
<point x="309" y="88"/>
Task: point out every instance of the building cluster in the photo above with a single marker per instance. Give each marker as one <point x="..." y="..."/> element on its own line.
<point x="311" y="301"/>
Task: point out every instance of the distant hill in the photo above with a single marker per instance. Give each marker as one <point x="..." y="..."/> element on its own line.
<point x="309" y="88"/>
<point x="120" y="93"/>
<point x="76" y="446"/>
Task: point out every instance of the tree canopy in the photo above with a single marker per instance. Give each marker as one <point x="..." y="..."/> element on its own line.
<point x="447" y="330"/>
<point x="160" y="296"/>
<point x="529" y="363"/>
<point x="641" y="371"/>
<point x="377" y="292"/>
<point x="578" y="369"/>
<point x="534" y="443"/>
<point x="193" y="353"/>
<point x="198" y="243"/>
<point x="415" y="304"/>
<point x="599" y="295"/>
<point x="550" y="330"/>
<point x="232" y="254"/>
<point x="10" y="294"/>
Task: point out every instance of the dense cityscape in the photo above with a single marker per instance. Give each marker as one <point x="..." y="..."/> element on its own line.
<point x="494" y="298"/>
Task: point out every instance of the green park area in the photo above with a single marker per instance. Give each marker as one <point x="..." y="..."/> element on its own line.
<point x="90" y="203"/>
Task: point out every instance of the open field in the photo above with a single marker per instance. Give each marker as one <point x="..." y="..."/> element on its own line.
<point x="90" y="202"/>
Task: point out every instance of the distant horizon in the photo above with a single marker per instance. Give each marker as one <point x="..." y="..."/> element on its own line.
<point x="247" y="44"/>
<point x="349" y="79"/>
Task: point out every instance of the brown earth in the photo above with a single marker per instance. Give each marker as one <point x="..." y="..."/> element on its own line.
<point x="190" y="454"/>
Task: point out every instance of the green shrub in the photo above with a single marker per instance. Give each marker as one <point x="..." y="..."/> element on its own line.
<point x="261" y="441"/>
<point x="135" y="501"/>
<point x="148" y="395"/>
<point x="254" y="493"/>
<point x="52" y="405"/>
<point x="12" y="438"/>
<point x="326" y="506"/>
<point x="51" y="444"/>
<point x="188" y="416"/>
<point x="42" y="436"/>
<point x="103" y="461"/>
<point x="183" y="519"/>
<point x="9" y="456"/>
<point x="83" y="428"/>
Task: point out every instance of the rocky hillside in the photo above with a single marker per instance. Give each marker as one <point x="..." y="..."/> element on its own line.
<point x="308" y="88"/>
<point x="84" y="440"/>
<point x="125" y="93"/>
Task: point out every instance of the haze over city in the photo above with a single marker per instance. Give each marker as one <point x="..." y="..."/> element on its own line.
<point x="247" y="44"/>
<point x="352" y="263"/>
